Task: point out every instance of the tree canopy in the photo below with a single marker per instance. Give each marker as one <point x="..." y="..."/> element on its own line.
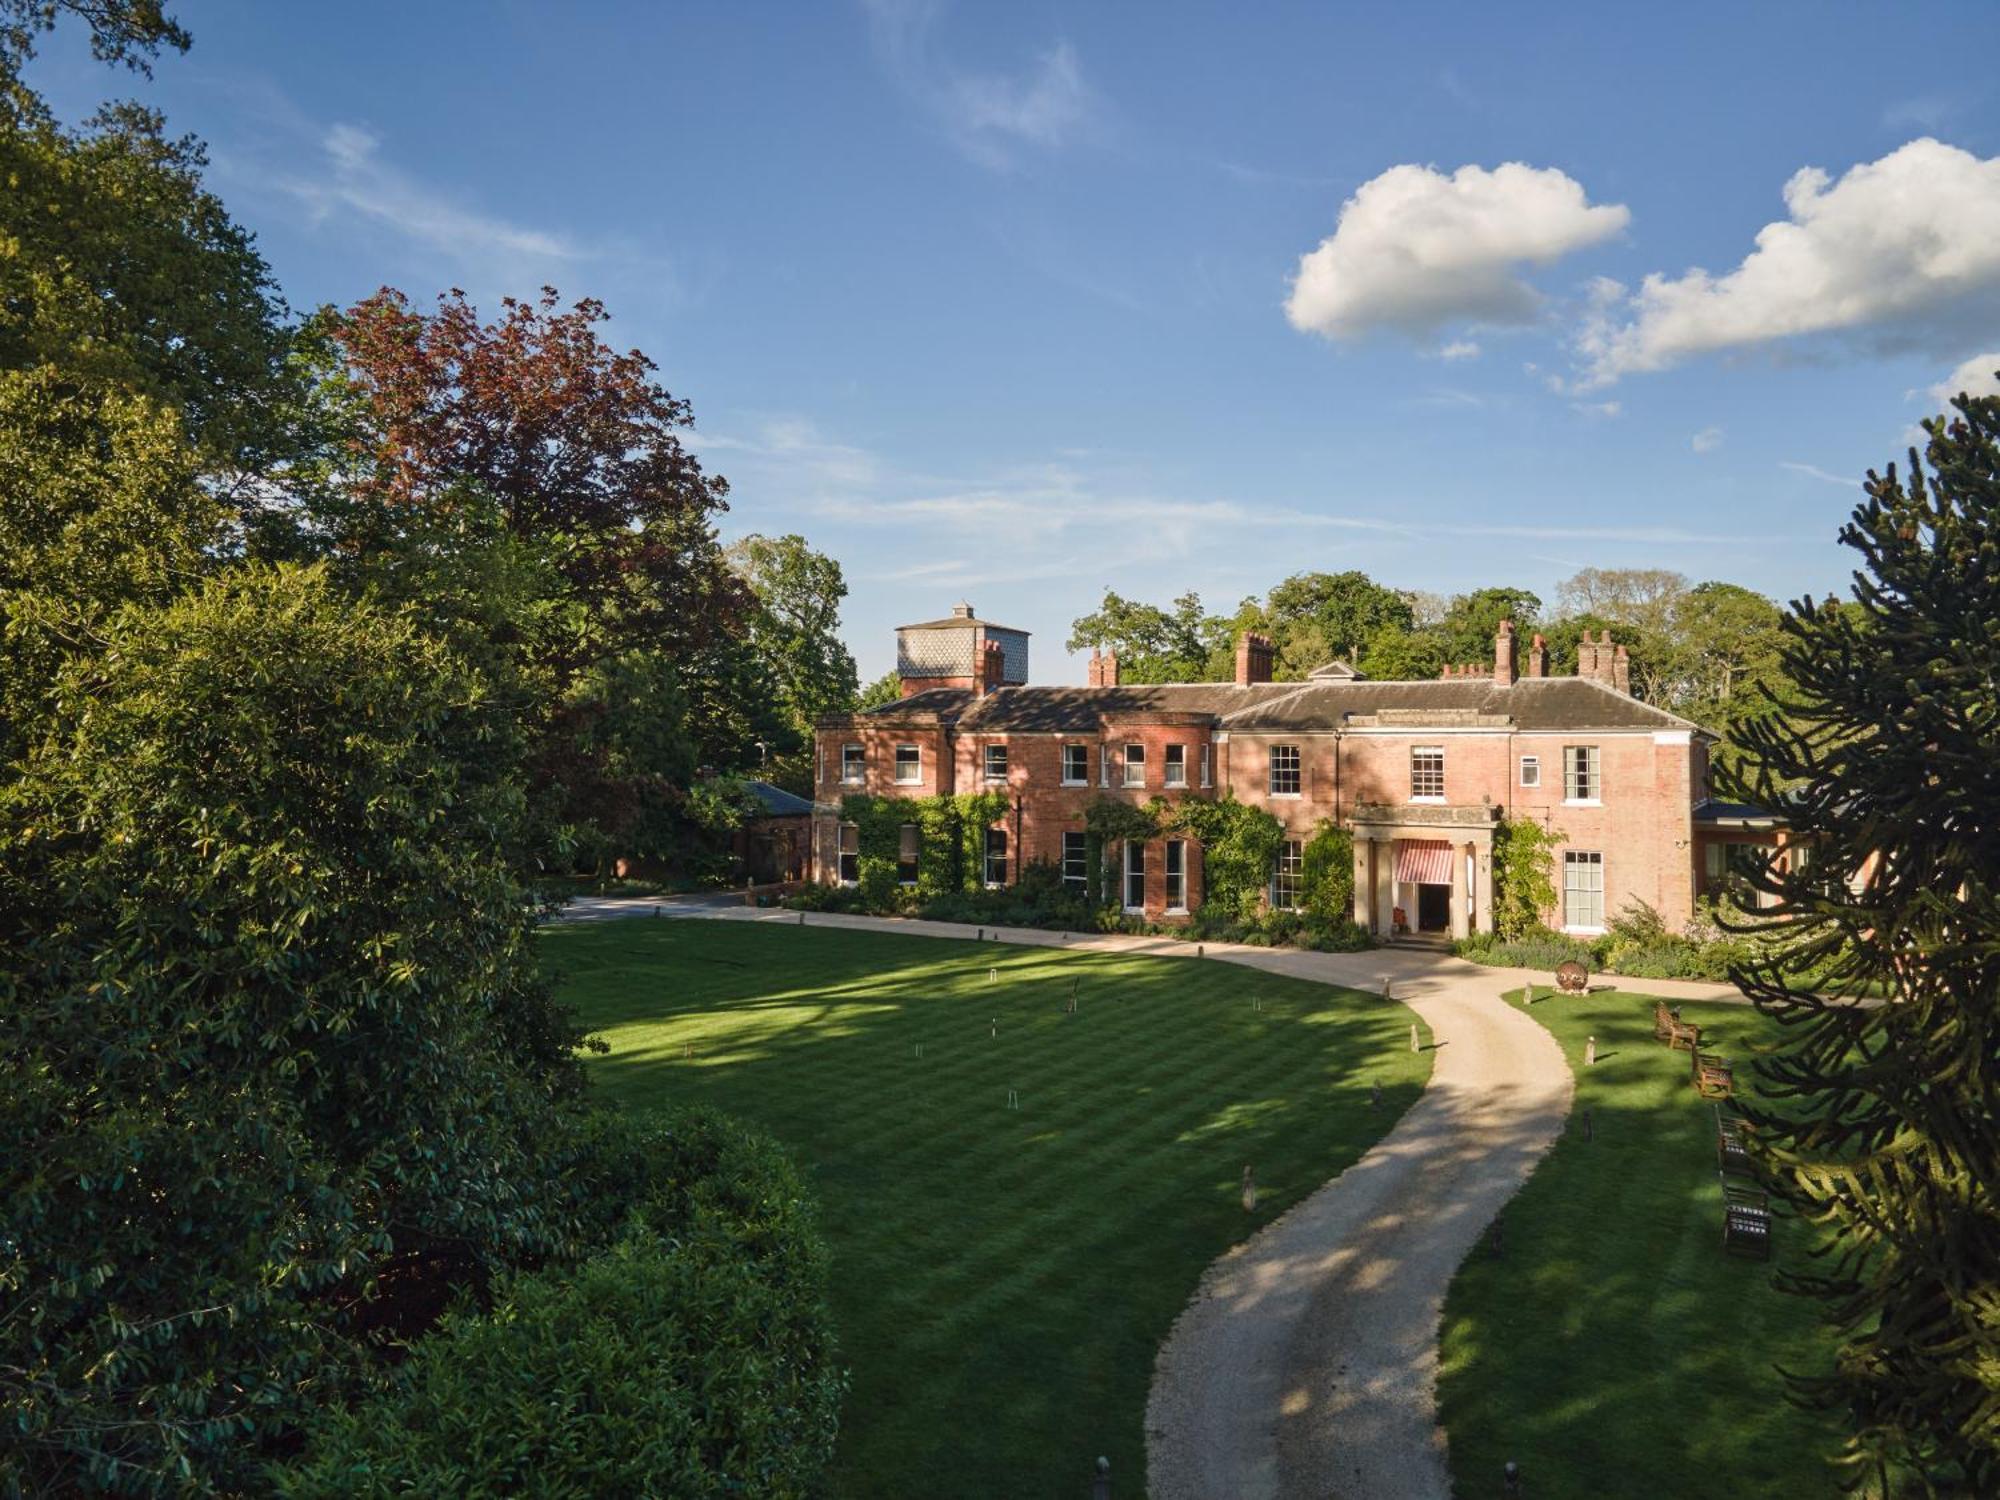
<point x="1878" y="1122"/>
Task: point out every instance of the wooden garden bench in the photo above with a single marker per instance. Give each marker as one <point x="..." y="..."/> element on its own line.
<point x="1668" y="1027"/>
<point x="1731" y="1156"/>
<point x="1713" y="1078"/>
<point x="1746" y="1220"/>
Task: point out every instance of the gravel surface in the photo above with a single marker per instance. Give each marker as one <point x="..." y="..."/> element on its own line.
<point x="1306" y="1365"/>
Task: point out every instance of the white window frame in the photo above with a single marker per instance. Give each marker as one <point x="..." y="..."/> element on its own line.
<point x="910" y="834"/>
<point x="1104" y="765"/>
<point x="987" y="858"/>
<point x="1083" y="762"/>
<point x="1583" y="776"/>
<point x="1531" y="771"/>
<point x="858" y="755"/>
<point x="1128" y="763"/>
<point x="1426" y="750"/>
<point x="1080" y="881"/>
<point x="1174" y="766"/>
<point x="916" y="765"/>
<point x="1135" y="854"/>
<point x="1583" y="859"/>
<point x="842" y="854"/>
<point x="1176" y="876"/>
<point x="1205" y="781"/>
<point x="1295" y="772"/>
<point x="1287" y="873"/>
<point x="986" y="754"/>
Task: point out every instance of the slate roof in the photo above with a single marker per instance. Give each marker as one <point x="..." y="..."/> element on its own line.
<point x="1531" y="704"/>
<point x="1715" y="810"/>
<point x="965" y="622"/>
<point x="778" y="803"/>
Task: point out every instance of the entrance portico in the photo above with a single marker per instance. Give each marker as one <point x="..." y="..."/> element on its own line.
<point x="1408" y="857"/>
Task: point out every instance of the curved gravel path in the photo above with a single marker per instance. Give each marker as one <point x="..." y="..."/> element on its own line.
<point x="1306" y="1365"/>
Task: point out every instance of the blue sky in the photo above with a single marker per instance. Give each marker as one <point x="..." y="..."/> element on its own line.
<point x="1015" y="303"/>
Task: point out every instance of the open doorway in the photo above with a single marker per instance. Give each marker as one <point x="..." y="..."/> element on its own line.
<point x="1433" y="908"/>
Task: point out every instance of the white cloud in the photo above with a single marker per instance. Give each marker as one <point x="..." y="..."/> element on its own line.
<point x="359" y="180"/>
<point x="1813" y="471"/>
<point x="1898" y="253"/>
<point x="1597" y="408"/>
<point x="1975" y="377"/>
<point x="1459" y="349"/>
<point x="987" y="114"/>
<point x="1415" y="250"/>
<point x="1707" y="440"/>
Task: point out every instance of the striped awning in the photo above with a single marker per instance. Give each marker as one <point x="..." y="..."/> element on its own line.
<point x="1423" y="862"/>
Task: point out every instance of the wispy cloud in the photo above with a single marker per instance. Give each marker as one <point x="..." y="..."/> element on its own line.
<point x="990" y="116"/>
<point x="1812" y="471"/>
<point x="1603" y="410"/>
<point x="1707" y="440"/>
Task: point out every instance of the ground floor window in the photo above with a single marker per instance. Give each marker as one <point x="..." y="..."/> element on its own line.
<point x="1285" y="875"/>
<point x="906" y="855"/>
<point x="996" y="856"/>
<point x="850" y="854"/>
<point x="1176" y="875"/>
<point x="1076" y="862"/>
<point x="1583" y="888"/>
<point x="1135" y="876"/>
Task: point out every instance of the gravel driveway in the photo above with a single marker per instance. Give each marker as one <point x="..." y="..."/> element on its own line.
<point x="1306" y="1365"/>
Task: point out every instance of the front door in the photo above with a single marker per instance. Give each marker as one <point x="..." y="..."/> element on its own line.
<point x="1433" y="908"/>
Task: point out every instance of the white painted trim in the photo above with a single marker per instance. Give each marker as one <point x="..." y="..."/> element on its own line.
<point x="1583" y="802"/>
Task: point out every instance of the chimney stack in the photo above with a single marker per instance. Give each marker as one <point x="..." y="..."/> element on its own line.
<point x="1621" y="671"/>
<point x="991" y="672"/>
<point x="1103" y="669"/>
<point x="1253" y="658"/>
<point x="1538" y="657"/>
<point x="1503" y="655"/>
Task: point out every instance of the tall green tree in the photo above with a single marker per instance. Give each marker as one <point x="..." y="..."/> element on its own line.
<point x="1315" y="618"/>
<point x="1472" y="620"/>
<point x="1152" y="644"/>
<point x="794" y="627"/>
<point x="1881" y="1124"/>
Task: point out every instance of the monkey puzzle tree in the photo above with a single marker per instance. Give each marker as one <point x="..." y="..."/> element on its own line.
<point x="1882" y="1124"/>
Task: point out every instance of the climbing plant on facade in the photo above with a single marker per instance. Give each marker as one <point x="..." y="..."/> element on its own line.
<point x="1524" y="875"/>
<point x="1326" y="878"/>
<point x="951" y="842"/>
<point x="1239" y="846"/>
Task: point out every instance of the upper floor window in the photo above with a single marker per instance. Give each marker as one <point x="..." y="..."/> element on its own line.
<point x="1076" y="765"/>
<point x="996" y="856"/>
<point x="1076" y="861"/>
<point x="853" y="764"/>
<point x="1531" y="770"/>
<point x="1284" y="770"/>
<point x="1285" y="875"/>
<point x="1581" y="779"/>
<point x="1204" y="764"/>
<point x="996" y="762"/>
<point x="909" y="765"/>
<point x="1135" y="765"/>
<point x="1176" y="773"/>
<point x="906" y="855"/>
<point x="1427" y="773"/>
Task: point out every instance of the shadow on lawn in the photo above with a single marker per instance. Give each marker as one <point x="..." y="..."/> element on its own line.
<point x="1612" y="1346"/>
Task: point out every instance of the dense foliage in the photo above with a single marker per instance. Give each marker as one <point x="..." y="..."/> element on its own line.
<point x="689" y="1356"/>
<point x="1524" y="881"/>
<point x="320" y="642"/>
<point x="1880" y="1123"/>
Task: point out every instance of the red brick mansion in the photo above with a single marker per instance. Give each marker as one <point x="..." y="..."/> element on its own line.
<point x="1420" y="772"/>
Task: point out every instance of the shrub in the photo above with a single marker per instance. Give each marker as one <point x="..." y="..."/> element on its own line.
<point x="1538" y="949"/>
<point x="690" y="1357"/>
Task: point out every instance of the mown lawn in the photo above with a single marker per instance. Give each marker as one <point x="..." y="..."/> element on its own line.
<point x="1002" y="1277"/>
<point x="1611" y="1347"/>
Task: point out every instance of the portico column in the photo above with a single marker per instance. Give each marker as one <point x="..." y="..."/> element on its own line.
<point x="1461" y="891"/>
<point x="1364" y="875"/>
<point x="1486" y="917"/>
<point x="1385" y="888"/>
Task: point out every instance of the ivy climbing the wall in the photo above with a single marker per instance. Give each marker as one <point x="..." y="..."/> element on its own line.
<point x="1326" y="879"/>
<point x="951" y="843"/>
<point x="1524" y="875"/>
<point x="1239" y="848"/>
